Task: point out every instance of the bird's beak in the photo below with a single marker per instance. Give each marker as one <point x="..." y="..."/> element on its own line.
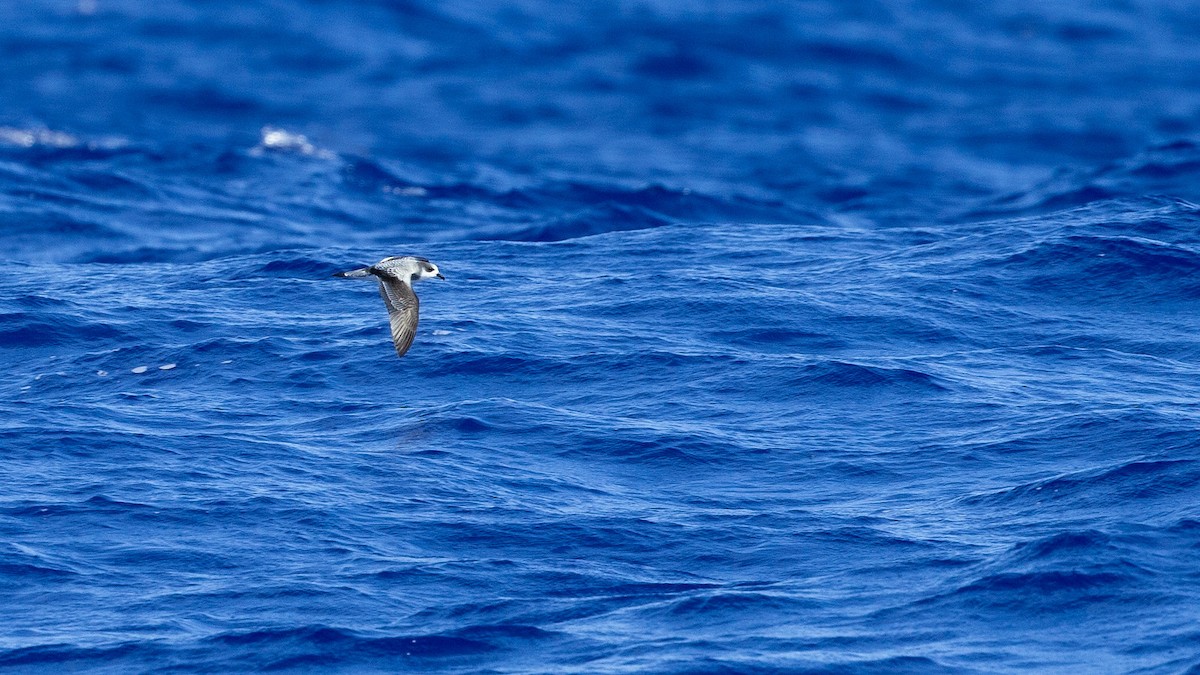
<point x="439" y="275"/>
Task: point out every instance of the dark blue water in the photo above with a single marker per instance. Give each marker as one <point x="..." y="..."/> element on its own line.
<point x="831" y="337"/>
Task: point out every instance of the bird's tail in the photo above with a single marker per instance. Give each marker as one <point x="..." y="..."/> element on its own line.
<point x="360" y="272"/>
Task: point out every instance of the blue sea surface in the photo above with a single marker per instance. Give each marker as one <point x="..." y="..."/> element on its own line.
<point x="807" y="337"/>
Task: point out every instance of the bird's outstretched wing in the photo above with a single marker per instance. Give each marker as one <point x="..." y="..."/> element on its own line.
<point x="402" y="305"/>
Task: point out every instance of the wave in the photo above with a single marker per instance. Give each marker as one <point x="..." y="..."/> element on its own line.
<point x="299" y="267"/>
<point x="1143" y="250"/>
<point x="710" y="609"/>
<point x="178" y="207"/>
<point x="1044" y="588"/>
<point x="572" y="433"/>
<point x="1097" y="261"/>
<point x="856" y="376"/>
<point x="1170" y="169"/>
<point x="45" y="655"/>
<point x="347" y="644"/>
<point x="1133" y="480"/>
<point x="1061" y="574"/>
<point x="291" y="648"/>
<point x="572" y="209"/>
<point x="98" y="504"/>
<point x="41" y="329"/>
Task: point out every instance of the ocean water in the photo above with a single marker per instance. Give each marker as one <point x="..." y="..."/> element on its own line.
<point x="812" y="337"/>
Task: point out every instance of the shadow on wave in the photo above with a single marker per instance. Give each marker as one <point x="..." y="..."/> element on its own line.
<point x="310" y="646"/>
<point x="1139" y="479"/>
<point x="43" y="328"/>
<point x="1062" y="572"/>
<point x="1107" y="266"/>
<point x="856" y="376"/>
<point x="289" y="648"/>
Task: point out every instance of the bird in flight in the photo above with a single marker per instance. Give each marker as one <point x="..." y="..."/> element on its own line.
<point x="396" y="276"/>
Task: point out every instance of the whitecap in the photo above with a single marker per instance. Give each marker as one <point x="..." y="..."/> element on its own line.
<point x="280" y="140"/>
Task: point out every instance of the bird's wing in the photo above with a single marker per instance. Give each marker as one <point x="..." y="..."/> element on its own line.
<point x="402" y="307"/>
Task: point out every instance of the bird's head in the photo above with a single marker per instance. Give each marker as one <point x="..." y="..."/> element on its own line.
<point x="426" y="270"/>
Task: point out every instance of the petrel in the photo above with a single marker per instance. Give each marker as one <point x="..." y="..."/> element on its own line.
<point x="396" y="276"/>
